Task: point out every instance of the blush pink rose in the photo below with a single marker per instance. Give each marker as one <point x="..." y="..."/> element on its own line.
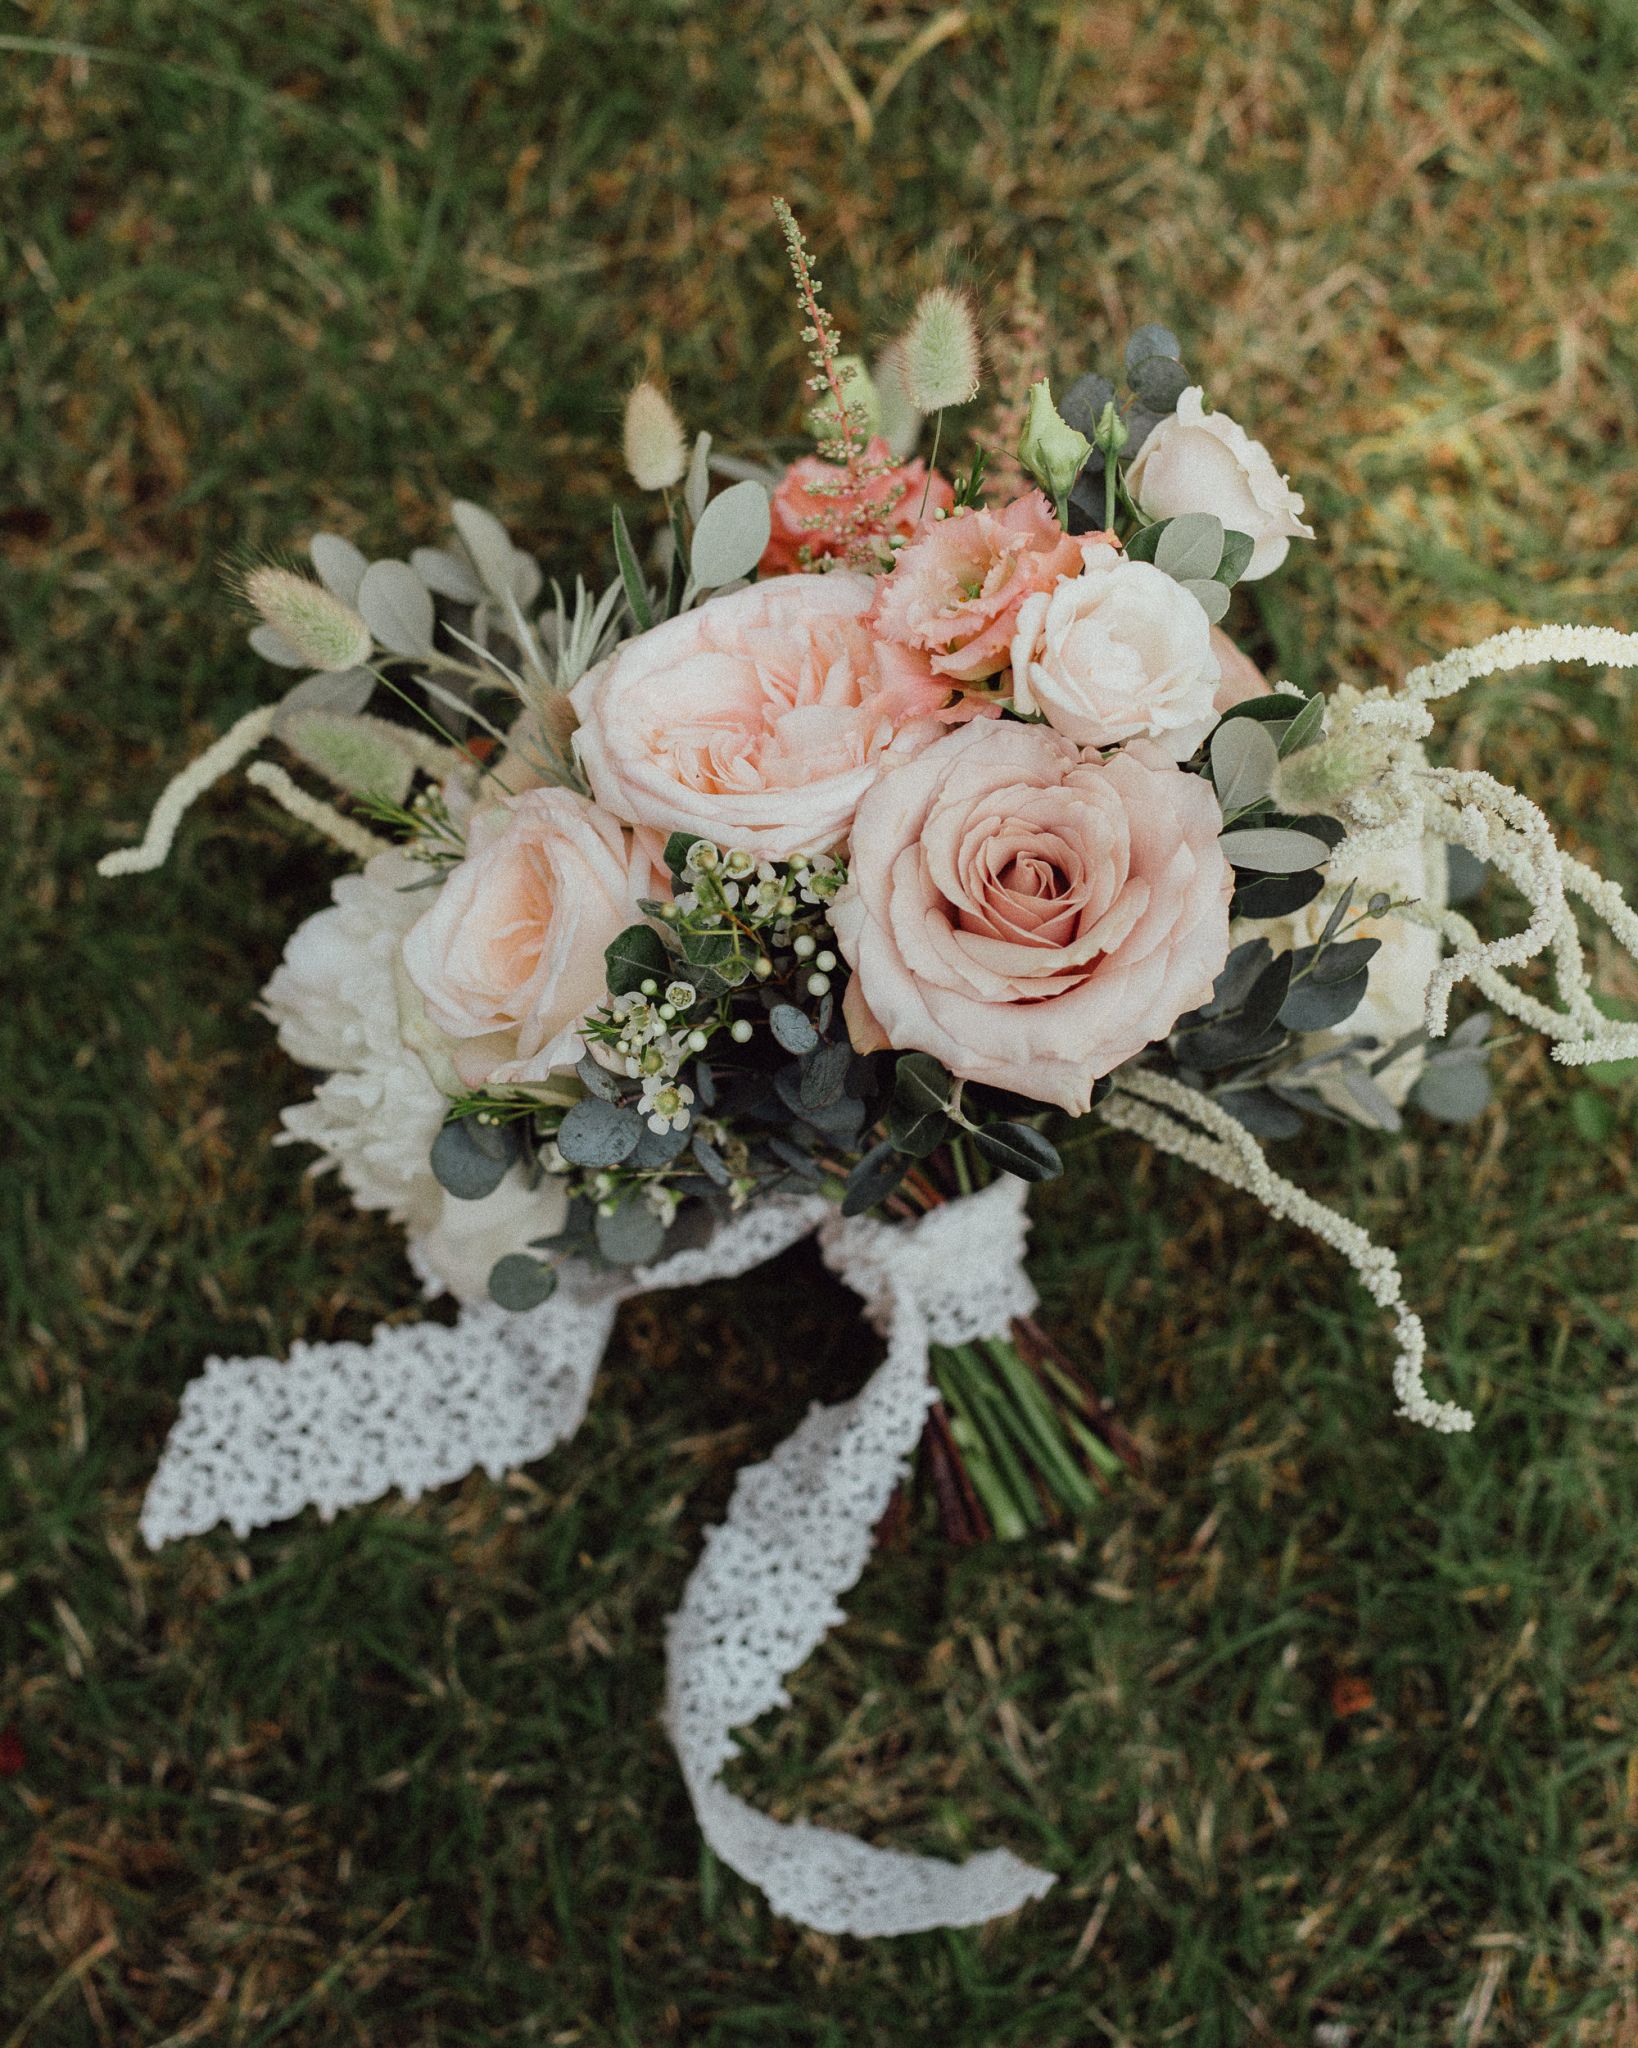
<point x="509" y="957"/>
<point x="758" y="720"/>
<point x="955" y="591"/>
<point x="804" y="517"/>
<point x="1239" y="677"/>
<point x="1029" y="913"/>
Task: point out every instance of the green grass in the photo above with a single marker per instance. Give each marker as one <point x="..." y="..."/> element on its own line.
<point x="1323" y="1721"/>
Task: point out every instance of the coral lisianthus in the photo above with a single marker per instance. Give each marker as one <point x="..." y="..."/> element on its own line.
<point x="955" y="591"/>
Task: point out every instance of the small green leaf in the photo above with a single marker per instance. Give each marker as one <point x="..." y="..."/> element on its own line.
<point x="1307" y="727"/>
<point x="792" y="1028"/>
<point x="1019" y="1149"/>
<point x="1274" y="850"/>
<point x="632" y="1236"/>
<point x="874" y="1178"/>
<point x="1191" y="546"/>
<point x="1244" y="762"/>
<point x="636" y="956"/>
<point x="1238" y="549"/>
<point x="730" y="536"/>
<point x="631" y="576"/>
<point x="921" y="1083"/>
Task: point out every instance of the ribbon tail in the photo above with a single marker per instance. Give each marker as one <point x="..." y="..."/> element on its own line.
<point x="798" y="1534"/>
<point x="335" y="1425"/>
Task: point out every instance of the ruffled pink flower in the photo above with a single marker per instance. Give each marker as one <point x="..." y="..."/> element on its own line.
<point x="895" y="495"/>
<point x="955" y="590"/>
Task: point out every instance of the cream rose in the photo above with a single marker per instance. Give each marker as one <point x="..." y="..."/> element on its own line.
<point x="1028" y="913"/>
<point x="758" y="720"/>
<point x="1199" y="461"/>
<point x="509" y="957"/>
<point x="1119" y="652"/>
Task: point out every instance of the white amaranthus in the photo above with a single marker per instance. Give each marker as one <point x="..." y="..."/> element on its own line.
<point x="1180" y="1120"/>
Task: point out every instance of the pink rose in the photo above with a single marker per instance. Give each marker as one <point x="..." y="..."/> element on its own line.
<point x="509" y="957"/>
<point x="807" y="518"/>
<point x="758" y="720"/>
<point x="1031" y="914"/>
<point x="955" y="591"/>
<point x="1240" y="677"/>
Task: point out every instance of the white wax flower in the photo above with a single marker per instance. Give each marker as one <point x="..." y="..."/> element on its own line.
<point x="1199" y="461"/>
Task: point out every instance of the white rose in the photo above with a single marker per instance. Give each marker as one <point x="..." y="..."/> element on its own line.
<point x="1199" y="461"/>
<point x="1395" y="997"/>
<point x="1119" y="652"/>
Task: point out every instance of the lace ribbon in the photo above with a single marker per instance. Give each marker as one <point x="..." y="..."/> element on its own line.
<point x="420" y="1405"/>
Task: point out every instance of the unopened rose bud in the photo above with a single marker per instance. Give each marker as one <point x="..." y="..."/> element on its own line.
<point x="1052" y="451"/>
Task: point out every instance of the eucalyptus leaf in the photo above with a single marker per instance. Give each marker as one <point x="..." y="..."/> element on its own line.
<point x="1159" y="382"/>
<point x="1320" y="1005"/>
<point x="918" y="1131"/>
<point x="1467" y="874"/>
<point x="597" y="1080"/>
<point x="874" y="1178"/>
<point x="1018" y="1149"/>
<point x="518" y="1282"/>
<point x="792" y="1028"/>
<point x="1375" y="1108"/>
<point x="1238" y="549"/>
<point x="825" y="1075"/>
<point x="339" y="564"/>
<point x="657" y="1148"/>
<point x="446" y="574"/>
<point x="1453" y="1091"/>
<point x="633" y="1236"/>
<point x="1151" y="339"/>
<point x="397" y="607"/>
<point x="1339" y="962"/>
<point x="1244" y="762"/>
<point x="489" y="545"/>
<point x="1275" y="895"/>
<point x="1274" y="850"/>
<point x="1084" y="401"/>
<point x="1192" y="545"/>
<point x="698" y="484"/>
<point x="1211" y="596"/>
<point x="730" y="535"/>
<point x="1263" y="1113"/>
<point x="345" y="691"/>
<point x="464" y="1162"/>
<point x="599" y="1134"/>
<point x="1142" y="545"/>
<point x="710" y="1160"/>
<point x="272" y="646"/>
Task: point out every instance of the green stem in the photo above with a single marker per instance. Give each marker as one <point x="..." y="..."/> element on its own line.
<point x="927" y="488"/>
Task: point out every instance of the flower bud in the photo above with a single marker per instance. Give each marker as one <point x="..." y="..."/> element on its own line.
<point x="312" y="622"/>
<point x="1051" y="449"/>
<point x="655" y="452"/>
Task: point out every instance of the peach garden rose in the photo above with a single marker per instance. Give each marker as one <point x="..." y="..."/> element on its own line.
<point x="1031" y="914"/>
<point x="509" y="956"/>
<point x="757" y="720"/>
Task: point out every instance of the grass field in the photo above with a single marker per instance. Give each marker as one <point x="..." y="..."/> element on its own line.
<point x="1329" y="1728"/>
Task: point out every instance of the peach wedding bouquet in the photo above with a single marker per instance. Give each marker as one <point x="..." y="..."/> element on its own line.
<point x="872" y="836"/>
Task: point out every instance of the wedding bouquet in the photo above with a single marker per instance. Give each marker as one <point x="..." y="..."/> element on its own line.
<point x="869" y="831"/>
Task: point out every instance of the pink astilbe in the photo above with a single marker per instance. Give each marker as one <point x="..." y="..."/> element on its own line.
<point x="816" y="510"/>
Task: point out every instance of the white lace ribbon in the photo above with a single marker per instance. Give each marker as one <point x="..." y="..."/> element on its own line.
<point x="420" y="1405"/>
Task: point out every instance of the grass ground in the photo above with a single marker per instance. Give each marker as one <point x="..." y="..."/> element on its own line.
<point x="1324" y="1724"/>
